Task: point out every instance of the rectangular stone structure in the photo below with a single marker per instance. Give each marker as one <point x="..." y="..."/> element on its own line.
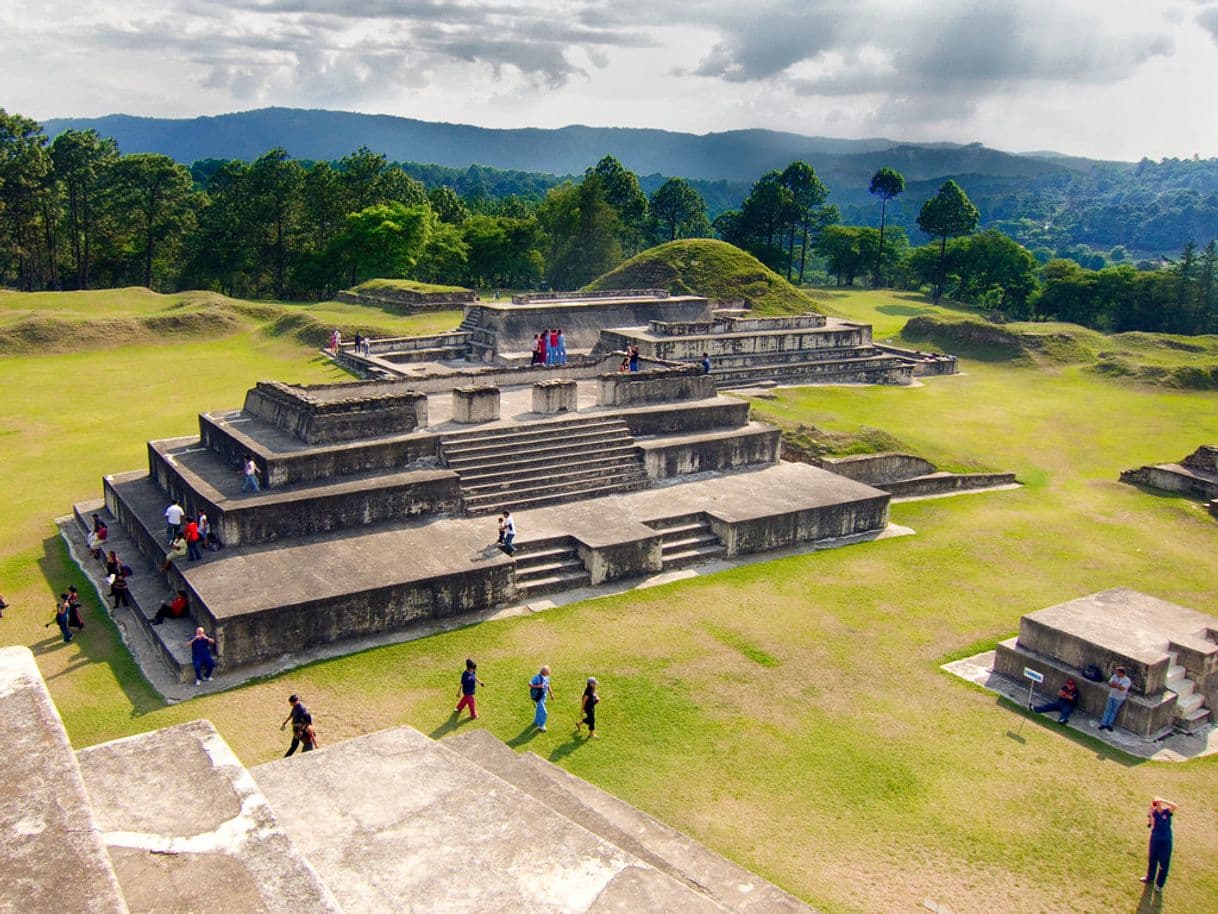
<point x="328" y="413"/>
<point x="555" y="396"/>
<point x="658" y="385"/>
<point x="475" y="404"/>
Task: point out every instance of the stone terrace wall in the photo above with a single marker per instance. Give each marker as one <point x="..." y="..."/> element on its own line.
<point x="407" y="301"/>
<point x="733" y="324"/>
<point x="325" y="414"/>
<point x="659" y="385"/>
<point x="530" y="297"/>
<point x="877" y="468"/>
<point x="1203" y="460"/>
<point x="582" y="320"/>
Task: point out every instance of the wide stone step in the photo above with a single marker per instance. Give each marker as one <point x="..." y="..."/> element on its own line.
<point x="513" y="466"/>
<point x="554" y="583"/>
<point x="1175" y="673"/>
<point x="527" y="560"/>
<point x="692" y="540"/>
<point x="728" y="885"/>
<point x="433" y="354"/>
<point x="556" y="440"/>
<point x="678" y="524"/>
<point x="147" y="589"/>
<point x="522" y="456"/>
<point x="692" y="555"/>
<point x="1194" y="719"/>
<point x="446" y="835"/>
<point x="556" y="474"/>
<point x="732" y="361"/>
<point x="519" y="502"/>
<point x="582" y="487"/>
<point x="188" y="830"/>
<point x="524" y="431"/>
<point x="1182" y="687"/>
<point x="570" y="563"/>
<point x="1188" y="703"/>
<point x="52" y="857"/>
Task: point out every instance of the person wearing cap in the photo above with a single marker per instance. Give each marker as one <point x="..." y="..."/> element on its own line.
<point x="540" y="691"/>
<point x="297" y="718"/>
<point x="1118" y="690"/>
<point x="587" y="707"/>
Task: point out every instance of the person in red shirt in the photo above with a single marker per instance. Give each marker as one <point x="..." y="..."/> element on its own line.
<point x="192" y="539"/>
<point x="174" y="609"/>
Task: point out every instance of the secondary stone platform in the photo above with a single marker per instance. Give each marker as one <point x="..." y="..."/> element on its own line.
<point x="1196" y="475"/>
<point x="357" y="533"/>
<point x="1170" y="652"/>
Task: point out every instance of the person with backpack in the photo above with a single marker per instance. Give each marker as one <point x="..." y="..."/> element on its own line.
<point x="539" y="692"/>
<point x="469" y="683"/>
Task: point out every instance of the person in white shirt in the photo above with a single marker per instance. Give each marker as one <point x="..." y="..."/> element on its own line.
<point x="173" y="520"/>
<point x="508" y="526"/>
<point x="1118" y="690"/>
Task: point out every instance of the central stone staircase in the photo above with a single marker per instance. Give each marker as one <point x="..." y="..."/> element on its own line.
<point x="543" y="463"/>
<point x="686" y="540"/>
<point x="549" y="565"/>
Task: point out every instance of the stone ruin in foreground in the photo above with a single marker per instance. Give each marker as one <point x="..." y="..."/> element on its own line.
<point x="1195" y="476"/>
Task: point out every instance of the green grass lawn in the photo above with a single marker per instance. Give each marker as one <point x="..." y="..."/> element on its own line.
<point x="791" y="714"/>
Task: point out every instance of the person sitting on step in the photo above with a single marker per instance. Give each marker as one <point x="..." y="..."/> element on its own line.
<point x="174" y="609"/>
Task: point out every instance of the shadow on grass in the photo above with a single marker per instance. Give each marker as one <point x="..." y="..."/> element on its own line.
<point x="524" y="737"/>
<point x="575" y="741"/>
<point x="1103" y="751"/>
<point x="100" y="641"/>
<point x="904" y="310"/>
<point x="454" y="723"/>
<point x="1150" y="901"/>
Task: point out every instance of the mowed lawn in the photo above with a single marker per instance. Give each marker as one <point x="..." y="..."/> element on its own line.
<point x="791" y="714"/>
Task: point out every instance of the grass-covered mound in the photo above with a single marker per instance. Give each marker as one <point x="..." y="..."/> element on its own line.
<point x="1188" y="362"/>
<point x="48" y="322"/>
<point x="703" y="266"/>
<point x="372" y="286"/>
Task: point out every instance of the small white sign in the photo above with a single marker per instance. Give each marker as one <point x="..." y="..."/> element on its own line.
<point x="1033" y="675"/>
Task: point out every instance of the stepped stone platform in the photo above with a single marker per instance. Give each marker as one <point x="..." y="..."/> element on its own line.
<point x="171" y="821"/>
<point x="458" y="833"/>
<point x="368" y="521"/>
<point x="52" y="858"/>
<point x="1196" y="475"/>
<point x="1169" y="651"/>
<point x="905" y="476"/>
<point x="598" y="326"/>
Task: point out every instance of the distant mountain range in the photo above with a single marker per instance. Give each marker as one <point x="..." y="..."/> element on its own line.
<point x="736" y="155"/>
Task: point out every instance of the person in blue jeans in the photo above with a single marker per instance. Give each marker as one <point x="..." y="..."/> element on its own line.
<point x="200" y="655"/>
<point x="1118" y="690"/>
<point x="1158" y="820"/>
<point x="63" y="615"/>
<point x="540" y="691"/>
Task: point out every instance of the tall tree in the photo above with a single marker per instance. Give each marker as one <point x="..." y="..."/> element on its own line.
<point x="947" y="214"/>
<point x="275" y="181"/>
<point x="624" y="194"/>
<point x="677" y="207"/>
<point x="582" y="232"/>
<point x="886" y="184"/>
<point x="83" y="162"/>
<point x="25" y="167"/>
<point x="806" y="195"/>
<point x="384" y="240"/>
<point x="156" y="191"/>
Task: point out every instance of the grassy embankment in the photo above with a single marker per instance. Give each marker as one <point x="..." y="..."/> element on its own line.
<point x="791" y="714"/>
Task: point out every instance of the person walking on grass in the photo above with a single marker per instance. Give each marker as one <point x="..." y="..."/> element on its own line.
<point x="62" y="616"/>
<point x="74" y="607"/>
<point x="1118" y="690"/>
<point x="469" y="682"/>
<point x="200" y="655"/>
<point x="540" y="692"/>
<point x="296" y="717"/>
<point x="1158" y="820"/>
<point x="587" y="708"/>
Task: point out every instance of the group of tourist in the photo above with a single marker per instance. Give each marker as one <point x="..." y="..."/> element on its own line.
<point x="362" y="344"/>
<point x="550" y="348"/>
<point x="186" y="534"/>
<point x="67" y="614"/>
<point x="630" y="359"/>
<point x="540" y="692"/>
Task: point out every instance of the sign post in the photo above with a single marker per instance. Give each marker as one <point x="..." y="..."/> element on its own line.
<point x="1034" y="678"/>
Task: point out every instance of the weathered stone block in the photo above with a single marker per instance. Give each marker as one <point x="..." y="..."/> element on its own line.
<point x="475" y="404"/>
<point x="658" y="385"/>
<point x="555" y="396"/>
<point x="327" y="413"/>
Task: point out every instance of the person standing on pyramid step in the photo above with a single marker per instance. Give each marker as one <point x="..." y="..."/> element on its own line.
<point x="296" y="718"/>
<point x="469" y="683"/>
<point x="173" y="520"/>
<point x="200" y="655"/>
<point x="249" y="476"/>
<point x="540" y="692"/>
<point x="508" y="525"/>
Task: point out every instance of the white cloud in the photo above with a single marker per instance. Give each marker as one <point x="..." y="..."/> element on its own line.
<point x="956" y="70"/>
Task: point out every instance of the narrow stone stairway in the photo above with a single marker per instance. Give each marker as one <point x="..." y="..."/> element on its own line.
<point x="1191" y="713"/>
<point x="544" y="463"/>
<point x="686" y="540"/>
<point x="548" y="566"/>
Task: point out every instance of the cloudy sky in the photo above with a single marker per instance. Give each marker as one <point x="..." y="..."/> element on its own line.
<point x="1106" y="78"/>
